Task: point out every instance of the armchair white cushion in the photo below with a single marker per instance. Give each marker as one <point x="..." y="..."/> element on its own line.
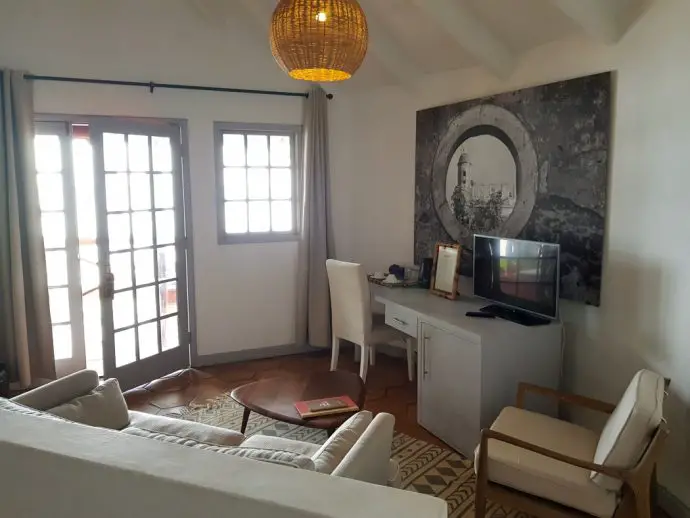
<point x="541" y="476"/>
<point x="630" y="427"/>
<point x="330" y="455"/>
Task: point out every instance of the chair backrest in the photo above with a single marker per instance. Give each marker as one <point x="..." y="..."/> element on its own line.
<point x="350" y="301"/>
<point x="630" y="427"/>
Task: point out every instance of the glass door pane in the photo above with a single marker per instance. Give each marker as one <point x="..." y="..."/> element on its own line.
<point x="141" y="218"/>
<point x="57" y="200"/>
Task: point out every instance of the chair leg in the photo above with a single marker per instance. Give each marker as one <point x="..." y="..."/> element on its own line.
<point x="410" y="358"/>
<point x="643" y="503"/>
<point x="335" y="352"/>
<point x="364" y="363"/>
<point x="480" y="500"/>
<point x="372" y="355"/>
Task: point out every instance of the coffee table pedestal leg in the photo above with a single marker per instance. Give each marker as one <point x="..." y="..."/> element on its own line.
<point x="245" y="419"/>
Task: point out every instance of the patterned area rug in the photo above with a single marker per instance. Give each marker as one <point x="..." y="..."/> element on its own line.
<point x="425" y="468"/>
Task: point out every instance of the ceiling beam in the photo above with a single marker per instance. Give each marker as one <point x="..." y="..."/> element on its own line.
<point x="607" y="21"/>
<point x="472" y="34"/>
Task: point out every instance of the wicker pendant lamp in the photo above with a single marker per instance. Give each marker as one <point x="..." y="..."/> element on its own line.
<point x="319" y="40"/>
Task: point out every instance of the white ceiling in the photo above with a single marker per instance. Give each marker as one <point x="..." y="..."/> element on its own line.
<point x="413" y="37"/>
<point x="225" y="42"/>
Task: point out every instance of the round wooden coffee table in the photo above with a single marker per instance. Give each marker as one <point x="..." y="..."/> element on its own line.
<point x="276" y="397"/>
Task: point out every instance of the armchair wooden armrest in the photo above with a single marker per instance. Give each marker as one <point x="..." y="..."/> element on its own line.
<point x="564" y="397"/>
<point x="591" y="466"/>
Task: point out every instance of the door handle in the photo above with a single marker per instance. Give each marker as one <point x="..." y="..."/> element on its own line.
<point x="108" y="286"/>
<point x="425" y="348"/>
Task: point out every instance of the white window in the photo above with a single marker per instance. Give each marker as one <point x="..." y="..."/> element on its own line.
<point x="257" y="182"/>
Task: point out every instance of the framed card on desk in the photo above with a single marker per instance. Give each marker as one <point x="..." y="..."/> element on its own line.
<point x="446" y="270"/>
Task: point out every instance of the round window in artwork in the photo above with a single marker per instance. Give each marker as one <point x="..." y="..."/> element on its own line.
<point x="481" y="183"/>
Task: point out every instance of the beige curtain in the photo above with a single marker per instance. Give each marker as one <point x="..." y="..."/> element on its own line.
<point x="315" y="245"/>
<point x="26" y="343"/>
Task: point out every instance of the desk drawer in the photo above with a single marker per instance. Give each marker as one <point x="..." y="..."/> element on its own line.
<point x="402" y="319"/>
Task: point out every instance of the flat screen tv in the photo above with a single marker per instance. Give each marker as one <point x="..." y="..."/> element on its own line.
<point x="517" y="275"/>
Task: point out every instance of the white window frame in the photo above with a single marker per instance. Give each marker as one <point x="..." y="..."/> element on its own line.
<point x="295" y="132"/>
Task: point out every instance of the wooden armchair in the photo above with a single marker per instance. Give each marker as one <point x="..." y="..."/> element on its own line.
<point x="551" y="468"/>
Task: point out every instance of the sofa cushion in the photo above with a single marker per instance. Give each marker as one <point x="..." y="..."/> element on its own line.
<point x="180" y="430"/>
<point x="630" y="427"/>
<point x="59" y="391"/>
<point x="12" y="406"/>
<point x="268" y="442"/>
<point x="104" y="407"/>
<point x="327" y="458"/>
<point x="542" y="476"/>
<point x="284" y="458"/>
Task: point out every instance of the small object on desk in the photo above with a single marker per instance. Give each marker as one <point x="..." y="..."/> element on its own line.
<point x="391" y="279"/>
<point x="379" y="276"/>
<point x="398" y="271"/>
<point x="479" y="314"/>
<point x="325" y="406"/>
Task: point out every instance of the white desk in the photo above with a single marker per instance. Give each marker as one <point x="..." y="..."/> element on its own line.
<point x="469" y="368"/>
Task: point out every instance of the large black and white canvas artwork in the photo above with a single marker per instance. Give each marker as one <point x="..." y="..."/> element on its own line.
<point x="531" y="164"/>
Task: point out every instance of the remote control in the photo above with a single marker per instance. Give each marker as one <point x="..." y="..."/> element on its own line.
<point x="479" y="314"/>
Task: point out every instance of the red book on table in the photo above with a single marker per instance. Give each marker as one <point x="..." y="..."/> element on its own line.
<point x="325" y="406"/>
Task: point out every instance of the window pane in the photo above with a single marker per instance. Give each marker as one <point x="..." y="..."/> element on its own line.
<point x="257" y="150"/>
<point x="118" y="231"/>
<point x="233" y="150"/>
<point x="146" y="303"/>
<point x="142" y="229"/>
<point x="280" y="151"/>
<point x="121" y="268"/>
<point x="56" y="266"/>
<point x="125" y="348"/>
<point x="162" y="154"/>
<point x="281" y="216"/>
<point x="259" y="216"/>
<point x="116" y="192"/>
<point x="170" y="334"/>
<point x="59" y="305"/>
<point x="257" y="183"/>
<point x="62" y="342"/>
<point x="114" y="152"/>
<point x="168" y="298"/>
<point x="148" y="340"/>
<point x="165" y="227"/>
<point x="88" y="265"/>
<point x="53" y="225"/>
<point x="167" y="263"/>
<point x="123" y="309"/>
<point x="281" y="184"/>
<point x="143" y="266"/>
<point x="236" y="217"/>
<point x="48" y="153"/>
<point x="50" y="191"/>
<point x="138" y="148"/>
<point x="140" y="191"/>
<point x="235" y="183"/>
<point x="163" y="191"/>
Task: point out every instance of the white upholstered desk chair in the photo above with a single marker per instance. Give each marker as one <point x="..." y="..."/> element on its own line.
<point x="352" y="317"/>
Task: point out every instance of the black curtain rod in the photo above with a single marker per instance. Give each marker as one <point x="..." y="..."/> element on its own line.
<point x="152" y="86"/>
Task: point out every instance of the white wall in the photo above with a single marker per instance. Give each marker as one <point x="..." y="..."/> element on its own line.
<point x="643" y="318"/>
<point x="244" y="293"/>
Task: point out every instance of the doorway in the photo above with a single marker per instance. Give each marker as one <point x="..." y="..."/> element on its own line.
<point x="112" y="202"/>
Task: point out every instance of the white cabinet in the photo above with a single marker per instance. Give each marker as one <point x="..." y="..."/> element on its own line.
<point x="449" y="387"/>
<point x="469" y="368"/>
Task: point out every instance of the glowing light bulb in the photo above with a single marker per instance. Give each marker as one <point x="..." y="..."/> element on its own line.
<point x="321" y="17"/>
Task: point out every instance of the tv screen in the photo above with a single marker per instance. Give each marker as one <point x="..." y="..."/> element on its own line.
<point x="521" y="274"/>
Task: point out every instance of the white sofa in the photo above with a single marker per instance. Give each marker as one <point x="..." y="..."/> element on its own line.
<point x="360" y="449"/>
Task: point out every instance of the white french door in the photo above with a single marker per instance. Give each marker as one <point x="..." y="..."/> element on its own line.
<point x="142" y="249"/>
<point x="113" y="222"/>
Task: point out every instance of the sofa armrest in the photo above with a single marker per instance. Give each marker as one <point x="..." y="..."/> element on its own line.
<point x="369" y="458"/>
<point x="59" y="391"/>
